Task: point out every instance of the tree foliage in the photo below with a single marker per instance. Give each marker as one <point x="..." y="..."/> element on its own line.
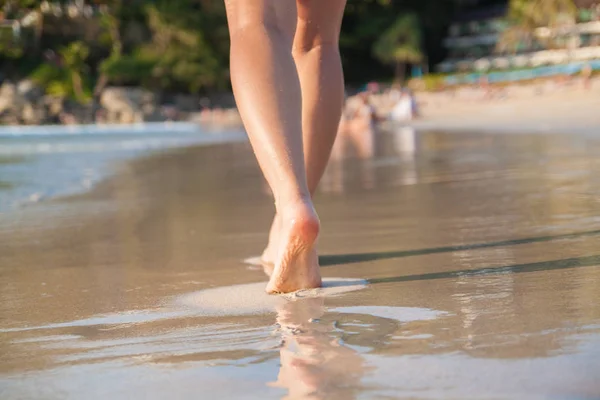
<point x="525" y="16"/>
<point x="536" y="13"/>
<point x="183" y="45"/>
<point x="400" y="43"/>
<point x="74" y="58"/>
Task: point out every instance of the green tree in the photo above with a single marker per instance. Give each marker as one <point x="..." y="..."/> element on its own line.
<point x="400" y="44"/>
<point x="187" y="52"/>
<point x="183" y="45"/>
<point x="74" y="61"/>
<point x="525" y="16"/>
<point x="182" y="56"/>
<point x="111" y="22"/>
<point x="12" y="46"/>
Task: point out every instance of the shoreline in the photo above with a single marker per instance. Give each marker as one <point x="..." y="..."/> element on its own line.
<point x="84" y="156"/>
<point x="563" y="111"/>
<point x="53" y="129"/>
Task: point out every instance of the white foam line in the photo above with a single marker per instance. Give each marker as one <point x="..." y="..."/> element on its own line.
<point x="146" y="127"/>
<point x="130" y="317"/>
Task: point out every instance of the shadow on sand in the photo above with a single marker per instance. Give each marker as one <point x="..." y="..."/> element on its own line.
<point x="337" y="259"/>
<point x="587" y="261"/>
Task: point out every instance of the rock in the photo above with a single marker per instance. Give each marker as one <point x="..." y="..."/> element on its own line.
<point x="154" y="116"/>
<point x="150" y="112"/>
<point x="10" y="98"/>
<point x="118" y="104"/>
<point x="9" y="119"/>
<point x="54" y="105"/>
<point x="30" y="91"/>
<point x="187" y="103"/>
<point x="127" y="105"/>
<point x="22" y="103"/>
<point x="79" y="113"/>
<point x="31" y="115"/>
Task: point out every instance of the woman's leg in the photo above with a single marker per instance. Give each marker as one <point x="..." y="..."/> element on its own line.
<point x="267" y="91"/>
<point x="317" y="57"/>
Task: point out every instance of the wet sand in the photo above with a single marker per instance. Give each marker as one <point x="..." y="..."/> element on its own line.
<point x="481" y="255"/>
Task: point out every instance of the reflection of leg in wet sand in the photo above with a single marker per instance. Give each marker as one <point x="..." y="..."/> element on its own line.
<point x="363" y="140"/>
<point x="406" y="144"/>
<point x="333" y="178"/>
<point x="314" y="365"/>
<point x="357" y="136"/>
<point x="290" y="106"/>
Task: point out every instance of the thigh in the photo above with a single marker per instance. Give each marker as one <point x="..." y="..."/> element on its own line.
<point x="319" y="22"/>
<point x="272" y="14"/>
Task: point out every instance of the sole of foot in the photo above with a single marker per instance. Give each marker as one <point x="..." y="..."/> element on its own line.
<point x="297" y="263"/>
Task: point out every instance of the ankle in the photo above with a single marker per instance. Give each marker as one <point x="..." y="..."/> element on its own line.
<point x="302" y="219"/>
<point x="285" y="204"/>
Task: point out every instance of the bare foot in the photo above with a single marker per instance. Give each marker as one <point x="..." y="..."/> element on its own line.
<point x="297" y="265"/>
<point x="270" y="253"/>
<point x="268" y="269"/>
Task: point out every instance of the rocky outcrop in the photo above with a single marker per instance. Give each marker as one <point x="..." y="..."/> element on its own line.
<point x="9" y="98"/>
<point x="26" y="103"/>
<point x="21" y="103"/>
<point x="128" y="105"/>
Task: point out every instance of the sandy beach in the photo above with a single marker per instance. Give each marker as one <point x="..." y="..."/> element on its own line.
<point x="543" y="107"/>
<point x="456" y="250"/>
<point x="472" y="259"/>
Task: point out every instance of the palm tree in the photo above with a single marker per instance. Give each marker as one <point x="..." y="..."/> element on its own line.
<point x="74" y="57"/>
<point x="111" y="22"/>
<point x="525" y="16"/>
<point x="400" y="44"/>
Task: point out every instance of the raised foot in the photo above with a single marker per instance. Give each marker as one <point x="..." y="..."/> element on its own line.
<point x="297" y="263"/>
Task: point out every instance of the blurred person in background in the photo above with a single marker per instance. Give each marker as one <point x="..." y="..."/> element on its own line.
<point x="404" y="108"/>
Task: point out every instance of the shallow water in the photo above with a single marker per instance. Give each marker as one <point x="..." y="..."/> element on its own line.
<point x="480" y="252"/>
<point x="79" y="156"/>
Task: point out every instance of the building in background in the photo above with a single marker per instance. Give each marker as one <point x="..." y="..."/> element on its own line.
<point x="473" y="39"/>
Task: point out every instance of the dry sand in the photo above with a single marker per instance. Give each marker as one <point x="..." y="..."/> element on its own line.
<point x="541" y="108"/>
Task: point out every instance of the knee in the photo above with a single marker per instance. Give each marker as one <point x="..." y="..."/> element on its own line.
<point x="308" y="44"/>
<point x="311" y="36"/>
<point x="246" y="30"/>
<point x="318" y="25"/>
